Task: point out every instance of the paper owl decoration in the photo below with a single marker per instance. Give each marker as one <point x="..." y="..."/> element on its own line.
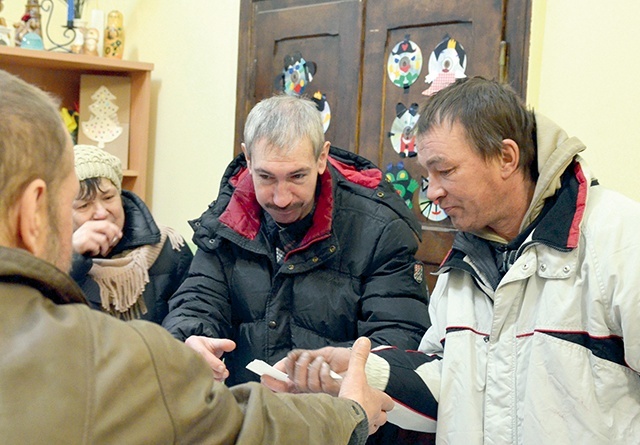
<point x="320" y="99"/>
<point x="404" y="63"/>
<point x="428" y="208"/>
<point x="401" y="134"/>
<point x="402" y="181"/>
<point x="447" y="62"/>
<point x="296" y="75"/>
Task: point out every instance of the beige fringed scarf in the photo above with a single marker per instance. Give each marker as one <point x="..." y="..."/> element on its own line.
<point x="122" y="279"/>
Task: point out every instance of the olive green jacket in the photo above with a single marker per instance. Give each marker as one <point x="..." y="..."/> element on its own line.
<point x="73" y="375"/>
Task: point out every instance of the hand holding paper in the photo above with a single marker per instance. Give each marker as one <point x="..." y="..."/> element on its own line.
<point x="262" y="368"/>
<point x="354" y="385"/>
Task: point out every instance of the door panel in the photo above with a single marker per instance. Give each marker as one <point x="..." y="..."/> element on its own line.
<point x="327" y="34"/>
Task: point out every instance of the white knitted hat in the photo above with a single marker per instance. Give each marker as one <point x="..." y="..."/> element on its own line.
<point x="94" y="162"/>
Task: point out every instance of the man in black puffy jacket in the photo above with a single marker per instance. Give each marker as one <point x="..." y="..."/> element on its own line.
<point x="305" y="246"/>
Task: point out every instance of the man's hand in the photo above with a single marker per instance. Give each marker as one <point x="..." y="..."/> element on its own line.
<point x="96" y="237"/>
<point x="309" y="370"/>
<point x="212" y="349"/>
<point x="355" y="387"/>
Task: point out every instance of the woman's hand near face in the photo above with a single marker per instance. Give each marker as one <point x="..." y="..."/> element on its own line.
<point x="96" y="237"/>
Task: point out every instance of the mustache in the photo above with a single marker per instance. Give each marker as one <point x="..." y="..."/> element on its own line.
<point x="295" y="205"/>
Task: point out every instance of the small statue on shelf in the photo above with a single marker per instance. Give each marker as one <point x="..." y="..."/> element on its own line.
<point x="30" y="22"/>
<point x="91" y="37"/>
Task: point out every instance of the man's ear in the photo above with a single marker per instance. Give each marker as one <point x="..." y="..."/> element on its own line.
<point x="32" y="218"/>
<point x="510" y="157"/>
<point x="322" y="159"/>
<point x="246" y="155"/>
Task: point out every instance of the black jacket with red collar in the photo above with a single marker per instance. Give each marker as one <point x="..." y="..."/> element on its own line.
<point x="353" y="274"/>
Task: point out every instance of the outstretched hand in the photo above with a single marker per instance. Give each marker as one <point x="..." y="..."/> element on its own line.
<point x="309" y="370"/>
<point x="355" y="387"/>
<point x="212" y="350"/>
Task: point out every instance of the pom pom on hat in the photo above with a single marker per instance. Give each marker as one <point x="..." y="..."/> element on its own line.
<point x="94" y="162"/>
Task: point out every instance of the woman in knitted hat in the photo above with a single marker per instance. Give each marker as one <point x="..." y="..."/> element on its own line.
<point x="124" y="262"/>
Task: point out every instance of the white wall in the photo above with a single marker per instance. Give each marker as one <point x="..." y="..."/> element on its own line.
<point x="194" y="48"/>
<point x="582" y="74"/>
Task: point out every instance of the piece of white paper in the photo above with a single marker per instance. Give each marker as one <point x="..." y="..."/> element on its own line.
<point x="263" y="368"/>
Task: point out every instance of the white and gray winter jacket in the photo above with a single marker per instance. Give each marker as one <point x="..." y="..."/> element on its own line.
<point x="549" y="352"/>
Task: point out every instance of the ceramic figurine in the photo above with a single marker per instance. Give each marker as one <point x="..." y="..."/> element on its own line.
<point x="91" y="37"/>
<point x="114" y="35"/>
<point x="77" y="46"/>
<point x="29" y="23"/>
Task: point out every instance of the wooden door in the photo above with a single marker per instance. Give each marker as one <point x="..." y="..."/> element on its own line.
<point x="350" y="43"/>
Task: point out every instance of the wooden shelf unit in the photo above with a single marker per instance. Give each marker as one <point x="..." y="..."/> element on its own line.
<point x="59" y="73"/>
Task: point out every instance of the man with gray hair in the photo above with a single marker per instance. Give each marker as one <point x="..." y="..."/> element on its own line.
<point x="73" y="375"/>
<point x="306" y="246"/>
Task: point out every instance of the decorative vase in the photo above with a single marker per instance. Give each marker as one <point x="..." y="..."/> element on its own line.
<point x="31" y="40"/>
<point x="114" y="35"/>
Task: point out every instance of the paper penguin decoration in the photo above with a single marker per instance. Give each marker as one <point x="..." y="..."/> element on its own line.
<point x="401" y="134"/>
<point x="404" y="63"/>
<point x="296" y="75"/>
<point x="428" y="208"/>
<point x="320" y="99"/>
<point x="402" y="181"/>
<point x="447" y="62"/>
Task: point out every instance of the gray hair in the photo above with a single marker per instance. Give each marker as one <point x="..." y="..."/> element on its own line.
<point x="33" y="140"/>
<point x="283" y="121"/>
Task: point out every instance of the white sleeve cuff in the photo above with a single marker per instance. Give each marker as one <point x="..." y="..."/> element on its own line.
<point x="377" y="370"/>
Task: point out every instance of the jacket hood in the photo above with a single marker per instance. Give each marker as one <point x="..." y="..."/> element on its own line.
<point x="237" y="209"/>
<point x="555" y="151"/>
<point x="19" y="266"/>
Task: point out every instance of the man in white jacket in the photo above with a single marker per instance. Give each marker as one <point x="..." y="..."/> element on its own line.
<point x="535" y="334"/>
